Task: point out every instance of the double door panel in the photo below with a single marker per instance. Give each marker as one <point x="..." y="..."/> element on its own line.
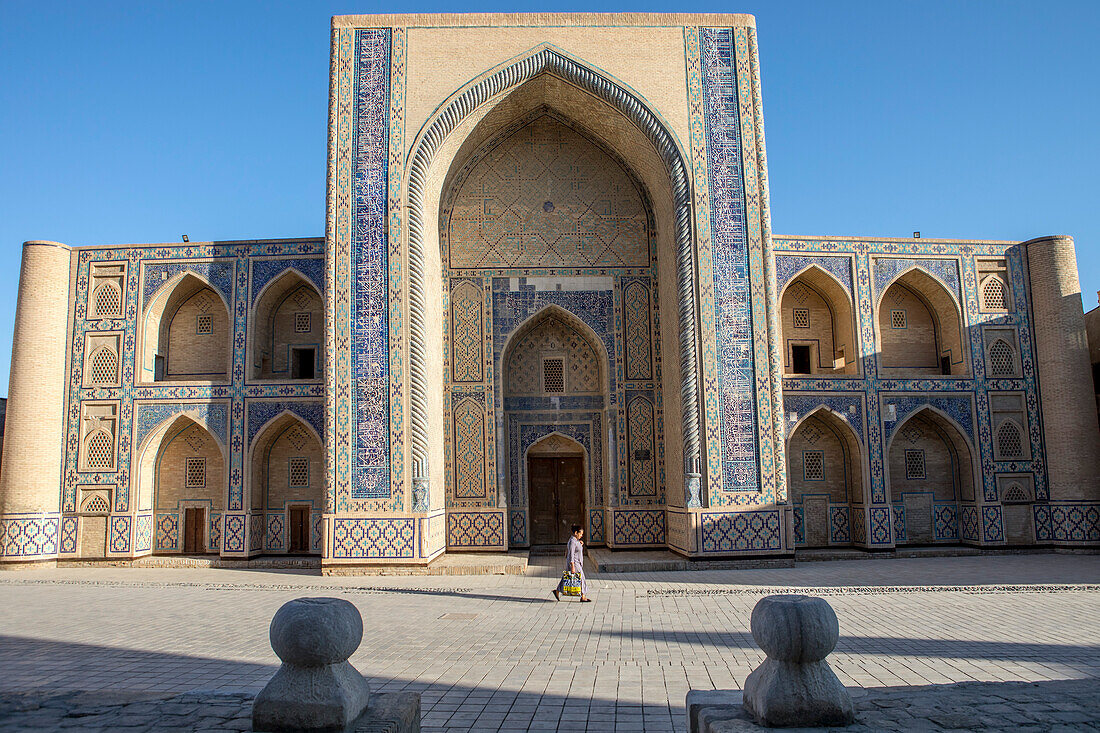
<point x="556" y="494"/>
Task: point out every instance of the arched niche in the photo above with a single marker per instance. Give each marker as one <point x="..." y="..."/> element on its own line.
<point x="186" y="333"/>
<point x="613" y="118"/>
<point x="287" y="330"/>
<point x="920" y="329"/>
<point x="818" y="327"/>
<point x="557" y="476"/>
<point x="554" y="333"/>
<point x="182" y="476"/>
<point x="825" y="477"/>
<point x="930" y="474"/>
<point x="287" y="483"/>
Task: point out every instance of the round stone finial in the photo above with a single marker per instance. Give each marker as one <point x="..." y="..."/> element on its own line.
<point x="313" y="632"/>
<point x="794" y="628"/>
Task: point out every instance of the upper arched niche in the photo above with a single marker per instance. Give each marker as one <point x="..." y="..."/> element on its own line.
<point x="818" y="326"/>
<point x="542" y="194"/>
<point x="920" y="329"/>
<point x="287" y="329"/>
<point x="186" y="333"/>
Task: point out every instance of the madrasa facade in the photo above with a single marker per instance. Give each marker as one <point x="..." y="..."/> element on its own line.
<point x="548" y="294"/>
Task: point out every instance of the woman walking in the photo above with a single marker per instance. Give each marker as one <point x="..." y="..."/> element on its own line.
<point x="574" y="561"/>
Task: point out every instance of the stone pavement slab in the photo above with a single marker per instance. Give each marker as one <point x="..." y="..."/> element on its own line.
<point x="497" y="653"/>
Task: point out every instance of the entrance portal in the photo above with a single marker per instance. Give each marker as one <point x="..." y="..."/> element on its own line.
<point x="298" y="522"/>
<point x="556" y="490"/>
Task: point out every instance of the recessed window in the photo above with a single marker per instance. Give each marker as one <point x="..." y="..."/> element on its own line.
<point x="801" y="317"/>
<point x="898" y="319"/>
<point x="553" y="376"/>
<point x="204" y="324"/>
<point x="1009" y="441"/>
<point x="993" y="295"/>
<point x="108" y="301"/>
<point x="813" y="465"/>
<point x="914" y="464"/>
<point x="104" y="366"/>
<point x="195" y="469"/>
<point x="100" y="451"/>
<point x="96" y="504"/>
<point x="1001" y="361"/>
<point x="302" y="323"/>
<point x="298" y="476"/>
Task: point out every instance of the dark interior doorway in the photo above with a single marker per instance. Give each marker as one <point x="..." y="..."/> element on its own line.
<point x="556" y="494"/>
<point x="800" y="359"/>
<point x="302" y="363"/>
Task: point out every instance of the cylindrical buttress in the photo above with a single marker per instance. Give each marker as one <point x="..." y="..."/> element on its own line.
<point x="34" y="440"/>
<point x="1065" y="379"/>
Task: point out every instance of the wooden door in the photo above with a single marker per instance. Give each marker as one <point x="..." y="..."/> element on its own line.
<point x="299" y="529"/>
<point x="556" y="495"/>
<point x="193" y="520"/>
<point x="570" y="496"/>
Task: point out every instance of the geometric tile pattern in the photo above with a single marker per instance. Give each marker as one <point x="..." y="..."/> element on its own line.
<point x="475" y="529"/>
<point x="945" y="270"/>
<point x="469" y="442"/>
<point x="640" y="426"/>
<point x="28" y="536"/>
<point x="639" y="527"/>
<point x="467" y="326"/>
<point x="68" y="534"/>
<point x="1067" y="522"/>
<point x="167" y="531"/>
<point x="234" y="532"/>
<point x="261" y="412"/>
<point x="373" y="538"/>
<point x="265" y="271"/>
<point x="255" y="532"/>
<point x="787" y="267"/>
<point x="143" y="533"/>
<point x="636" y="322"/>
<point x="568" y="204"/>
<point x="725" y="532"/>
<point x="595" y="526"/>
<point x="838" y="525"/>
<point x="118" y="535"/>
<point x="946" y="518"/>
<point x="274" y="532"/>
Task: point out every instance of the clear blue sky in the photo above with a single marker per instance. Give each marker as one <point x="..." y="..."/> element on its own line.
<point x="139" y="122"/>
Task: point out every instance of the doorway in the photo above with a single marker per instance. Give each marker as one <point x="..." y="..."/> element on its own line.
<point x="193" y="535"/>
<point x="800" y="359"/>
<point x="299" y="528"/>
<point x="556" y="490"/>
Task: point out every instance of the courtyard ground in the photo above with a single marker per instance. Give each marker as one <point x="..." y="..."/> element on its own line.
<point x="497" y="653"/>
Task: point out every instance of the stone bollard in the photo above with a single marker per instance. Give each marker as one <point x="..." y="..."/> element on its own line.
<point x="795" y="686"/>
<point x="316" y="688"/>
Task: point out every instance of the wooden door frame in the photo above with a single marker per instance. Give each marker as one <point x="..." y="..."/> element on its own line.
<point x="587" y="489"/>
<point x="308" y="510"/>
<point x="204" y="529"/>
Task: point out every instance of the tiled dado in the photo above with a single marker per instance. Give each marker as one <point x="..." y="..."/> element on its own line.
<point x="476" y="530"/>
<point x="29" y="537"/>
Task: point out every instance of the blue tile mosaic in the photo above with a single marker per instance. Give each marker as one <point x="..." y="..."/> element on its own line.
<point x="264" y="271"/>
<point x="261" y="412"/>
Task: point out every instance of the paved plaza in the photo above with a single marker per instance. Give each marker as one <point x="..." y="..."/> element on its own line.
<point x="497" y="653"/>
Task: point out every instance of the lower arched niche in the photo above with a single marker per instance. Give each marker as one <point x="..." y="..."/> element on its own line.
<point x="825" y="479"/>
<point x="930" y="475"/>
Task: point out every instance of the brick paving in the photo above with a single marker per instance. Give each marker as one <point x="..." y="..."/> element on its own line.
<point x="496" y="653"/>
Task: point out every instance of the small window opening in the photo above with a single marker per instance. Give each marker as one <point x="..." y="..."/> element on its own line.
<point x="553" y="376"/>
<point x="801" y="317"/>
<point x="945" y="364"/>
<point x="898" y="319"/>
<point x="914" y="464"/>
<point x="195" y="473"/>
<point x="204" y="324"/>
<point x="299" y="472"/>
<point x="302" y="323"/>
<point x="813" y="465"/>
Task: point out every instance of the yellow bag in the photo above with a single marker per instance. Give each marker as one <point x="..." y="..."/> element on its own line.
<point x="571" y="583"/>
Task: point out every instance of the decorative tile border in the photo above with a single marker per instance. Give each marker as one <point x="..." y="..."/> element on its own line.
<point x="374" y="538"/>
<point x="748" y="531"/>
<point x="638" y="527"/>
<point x="29" y="537"/>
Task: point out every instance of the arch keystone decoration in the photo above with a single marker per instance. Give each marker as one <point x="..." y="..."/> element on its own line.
<point x="546" y="59"/>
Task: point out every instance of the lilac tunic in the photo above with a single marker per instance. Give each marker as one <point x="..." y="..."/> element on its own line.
<point x="574" y="553"/>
